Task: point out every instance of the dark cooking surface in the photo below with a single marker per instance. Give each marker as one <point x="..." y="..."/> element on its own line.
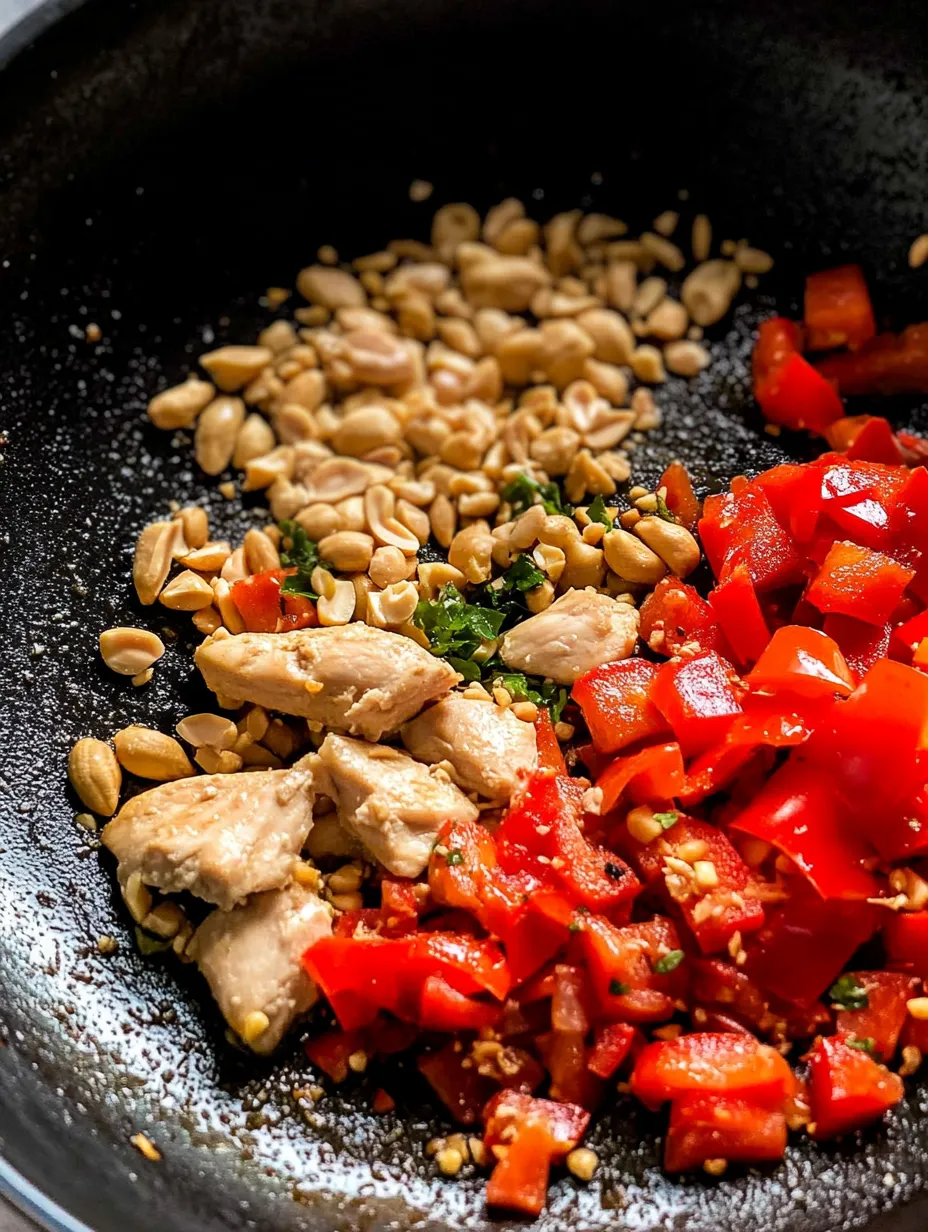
<point x="130" y="196"/>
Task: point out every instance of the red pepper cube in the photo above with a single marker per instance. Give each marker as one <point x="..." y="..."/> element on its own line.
<point x="621" y="964"/>
<point x="614" y="1043"/>
<point x="735" y="603"/>
<point x="652" y="776"/>
<point x="742" y="529"/>
<point x="805" y="943"/>
<point x="704" y="1127"/>
<point x="863" y="645"/>
<point x="876" y="442"/>
<point x="674" y="615"/>
<point x="802" y="661"/>
<point x="697" y="698"/>
<point x="888" y="364"/>
<point x="463" y="1091"/>
<point x="882" y="1018"/>
<point x="859" y="582"/>
<point x="796" y="396"/>
<point x="848" y="1089"/>
<point x="712" y="1063"/>
<point x="799" y="813"/>
<point x="838" y="311"/>
<point x="777" y="339"/>
<point x="616" y="706"/>
<point x="905" y="936"/>
<point x="680" y="499"/>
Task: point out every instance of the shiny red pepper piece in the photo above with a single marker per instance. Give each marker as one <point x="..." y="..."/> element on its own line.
<point x="838" y="311"/>
<point x="848" y="1088"/>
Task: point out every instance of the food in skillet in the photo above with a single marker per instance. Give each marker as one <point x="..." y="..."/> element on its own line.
<point x="542" y="811"/>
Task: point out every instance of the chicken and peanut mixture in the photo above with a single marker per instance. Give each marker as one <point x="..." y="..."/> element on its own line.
<point x="444" y="432"/>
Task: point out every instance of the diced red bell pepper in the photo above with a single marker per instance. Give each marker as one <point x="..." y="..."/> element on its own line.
<point x="796" y="396"/>
<point x="870" y="747"/>
<point x="848" y="1088"/>
<point x="652" y="776"/>
<point x="535" y="1133"/>
<point x="613" y="1044"/>
<point x="443" y="1008"/>
<point x="805" y="944"/>
<point x="519" y="1181"/>
<point x="299" y="613"/>
<point x="680" y="499"/>
<point x="907" y="637"/>
<point x="905" y="936"/>
<point x="621" y="963"/>
<point x="798" y="812"/>
<point x="777" y="339"/>
<point x="888" y="364"/>
<point x="742" y="529"/>
<point x="698" y="699"/>
<point x="859" y="582"/>
<point x="615" y="704"/>
<point x="711" y="1063"/>
<point x="838" y="311"/>
<point x="736" y="605"/>
<point x="781" y="485"/>
<point x="330" y="1051"/>
<point x="674" y="616"/>
<point x="550" y="754"/>
<point x="876" y="442"/>
<point x="717" y="982"/>
<point x="265" y="610"/>
<point x="884" y="1015"/>
<point x="704" y="1127"/>
<point x="462" y="1090"/>
<point x="802" y="661"/>
<point x="862" y="644"/>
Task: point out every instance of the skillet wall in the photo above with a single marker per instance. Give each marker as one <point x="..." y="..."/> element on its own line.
<point x="161" y="162"/>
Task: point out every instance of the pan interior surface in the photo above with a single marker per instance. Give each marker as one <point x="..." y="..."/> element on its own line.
<point x="161" y="165"/>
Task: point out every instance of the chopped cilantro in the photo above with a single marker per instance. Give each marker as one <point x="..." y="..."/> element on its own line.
<point x="507" y="593"/>
<point x="596" y="512"/>
<point x="303" y="554"/>
<point x="666" y="820"/>
<point x="847" y="993"/>
<point x="524" y="688"/>
<point x="662" y="511"/>
<point x="669" y="962"/>
<point x="523" y="574"/>
<point x="618" y="989"/>
<point x="457" y="629"/>
<point x="149" y="945"/>
<point x="521" y="492"/>
<point x="455" y="857"/>
<point x="867" y="1044"/>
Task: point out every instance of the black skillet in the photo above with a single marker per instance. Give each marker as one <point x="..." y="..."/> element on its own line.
<point x="161" y="164"/>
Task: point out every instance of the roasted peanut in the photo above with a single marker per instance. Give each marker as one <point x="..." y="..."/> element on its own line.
<point x="95" y="775"/>
<point x="130" y="651"/>
<point x="151" y="755"/>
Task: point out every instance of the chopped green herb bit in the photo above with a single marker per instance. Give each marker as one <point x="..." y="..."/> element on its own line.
<point x="523" y="574"/>
<point x="596" y="512"/>
<point x="666" y="820"/>
<point x="520" y="493"/>
<point x="457" y="629"/>
<point x="847" y="993"/>
<point x="662" y="511"/>
<point x="867" y="1044"/>
<point x="575" y="926"/>
<point x="149" y="945"/>
<point x="618" y="989"/>
<point x="669" y="962"/>
<point x="455" y="857"/>
<point x="524" y="688"/>
<point x="302" y="554"/>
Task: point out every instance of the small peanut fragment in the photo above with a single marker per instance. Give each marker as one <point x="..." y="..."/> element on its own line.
<point x="686" y="358"/>
<point x="631" y="559"/>
<point x="332" y="288"/>
<point x="260" y="553"/>
<point x="154" y="552"/>
<point x="179" y="406"/>
<point x="195" y="525"/>
<point x="217" y="432"/>
<point x="338" y="607"/>
<point x="95" y="775"/>
<point x="188" y="592"/>
<point x="129" y="651"/>
<point x="349" y="551"/>
<point x="212" y="730"/>
<point x="151" y="754"/>
<point x="672" y="542"/>
<point x="255" y="439"/>
<point x="232" y="367"/>
<point x="707" y="292"/>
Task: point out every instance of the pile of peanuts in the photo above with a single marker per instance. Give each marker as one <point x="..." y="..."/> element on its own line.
<point x="418" y="382"/>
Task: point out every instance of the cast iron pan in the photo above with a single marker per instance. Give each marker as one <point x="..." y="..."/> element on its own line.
<point x="160" y="166"/>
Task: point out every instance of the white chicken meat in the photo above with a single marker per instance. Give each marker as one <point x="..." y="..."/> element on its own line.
<point x="581" y="630"/>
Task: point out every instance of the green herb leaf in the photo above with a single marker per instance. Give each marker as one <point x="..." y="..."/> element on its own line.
<point x="867" y="1044"/>
<point x="522" y="575"/>
<point x="149" y="945"/>
<point x="618" y="989"/>
<point x="596" y="512"/>
<point x="666" y="820"/>
<point x="302" y="554"/>
<point x="669" y="962"/>
<point x="455" y="857"/>
<point x="524" y="688"/>
<point x="520" y="493"/>
<point x="662" y="511"/>
<point x="847" y="993"/>
<point x="457" y="629"/>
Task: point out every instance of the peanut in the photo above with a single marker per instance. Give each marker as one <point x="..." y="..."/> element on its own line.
<point x="130" y="651"/>
<point x="179" y="406"/>
<point x="217" y="432"/>
<point x="188" y="592"/>
<point x="154" y="552"/>
<point x="232" y="367"/>
<point x="95" y="775"/>
<point x="151" y="755"/>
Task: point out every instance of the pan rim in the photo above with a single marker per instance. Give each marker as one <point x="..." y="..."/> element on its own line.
<point x="31" y="24"/>
<point x="30" y="1201"/>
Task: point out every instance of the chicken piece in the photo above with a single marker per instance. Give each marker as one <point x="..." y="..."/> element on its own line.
<point x="351" y="678"/>
<point x="486" y="745"/>
<point x="251" y="960"/>
<point x="581" y="630"/>
<point x="220" y="836"/>
<point x="395" y="805"/>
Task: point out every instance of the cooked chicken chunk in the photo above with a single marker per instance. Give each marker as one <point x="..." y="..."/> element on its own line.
<point x="486" y="745"/>
<point x="221" y="836"/>
<point x="579" y="631"/>
<point x="251" y="960"/>
<point x="352" y="678"/>
<point x="393" y="804"/>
